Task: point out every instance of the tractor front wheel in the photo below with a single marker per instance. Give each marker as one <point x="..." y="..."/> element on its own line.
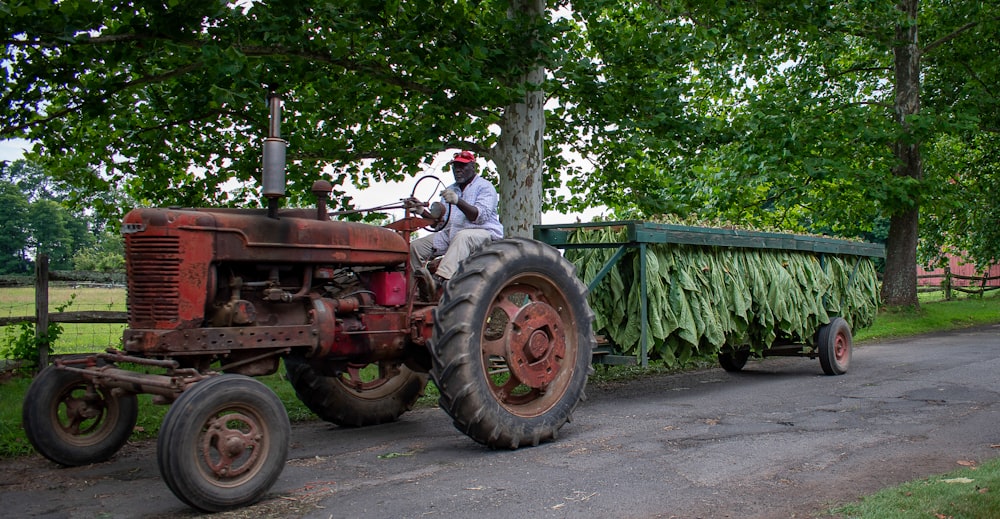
<point x="73" y="422"/>
<point x="512" y="343"/>
<point x="223" y="443"/>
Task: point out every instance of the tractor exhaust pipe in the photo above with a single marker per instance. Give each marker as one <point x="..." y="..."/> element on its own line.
<point x="273" y="177"/>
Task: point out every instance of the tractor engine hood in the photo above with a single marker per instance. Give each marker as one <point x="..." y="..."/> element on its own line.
<point x="295" y="236"/>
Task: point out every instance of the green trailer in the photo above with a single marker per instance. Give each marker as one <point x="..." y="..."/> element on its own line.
<point x="833" y="282"/>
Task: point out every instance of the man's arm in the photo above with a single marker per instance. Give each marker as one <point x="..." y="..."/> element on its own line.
<point x="470" y="211"/>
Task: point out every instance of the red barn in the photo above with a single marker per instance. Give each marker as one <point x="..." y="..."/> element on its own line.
<point x="958" y="267"/>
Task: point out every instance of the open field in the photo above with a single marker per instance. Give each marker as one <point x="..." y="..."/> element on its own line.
<point x="76" y="338"/>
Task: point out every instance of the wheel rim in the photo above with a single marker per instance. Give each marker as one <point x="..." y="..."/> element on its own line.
<point x="81" y="414"/>
<point x="525" y="345"/>
<point x="371" y="381"/>
<point x="841" y="350"/>
<point x="232" y="444"/>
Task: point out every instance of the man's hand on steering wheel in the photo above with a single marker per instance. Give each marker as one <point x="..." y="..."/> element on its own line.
<point x="413" y="204"/>
<point x="435" y="211"/>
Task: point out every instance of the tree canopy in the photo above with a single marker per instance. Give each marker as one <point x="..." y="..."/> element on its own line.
<point x="808" y="116"/>
<point x="166" y="99"/>
<point x="838" y="117"/>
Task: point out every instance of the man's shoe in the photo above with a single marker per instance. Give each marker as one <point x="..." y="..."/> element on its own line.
<point x="439" y="282"/>
<point x="427" y="286"/>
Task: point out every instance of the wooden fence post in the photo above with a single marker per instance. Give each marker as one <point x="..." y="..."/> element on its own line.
<point x="42" y="309"/>
<point x="947" y="282"/>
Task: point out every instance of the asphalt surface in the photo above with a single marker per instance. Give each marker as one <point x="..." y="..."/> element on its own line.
<point x="779" y="439"/>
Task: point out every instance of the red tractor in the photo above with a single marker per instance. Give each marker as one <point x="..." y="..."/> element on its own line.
<point x="217" y="296"/>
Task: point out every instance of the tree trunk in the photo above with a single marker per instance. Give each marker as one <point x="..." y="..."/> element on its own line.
<point x="899" y="287"/>
<point x="519" y="152"/>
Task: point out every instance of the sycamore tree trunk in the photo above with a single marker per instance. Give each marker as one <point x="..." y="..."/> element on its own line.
<point x="519" y="152"/>
<point x="899" y="287"/>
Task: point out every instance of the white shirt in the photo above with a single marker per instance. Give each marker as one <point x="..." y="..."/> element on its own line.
<point x="481" y="194"/>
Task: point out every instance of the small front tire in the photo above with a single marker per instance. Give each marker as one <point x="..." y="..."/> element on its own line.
<point x="223" y="443"/>
<point x="73" y="422"/>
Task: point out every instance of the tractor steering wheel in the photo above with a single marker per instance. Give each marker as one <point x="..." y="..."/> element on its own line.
<point x="441" y="213"/>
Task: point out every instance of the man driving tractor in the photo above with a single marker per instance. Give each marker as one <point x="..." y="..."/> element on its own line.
<point x="472" y="226"/>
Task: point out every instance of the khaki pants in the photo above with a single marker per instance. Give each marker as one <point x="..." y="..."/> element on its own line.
<point x="463" y="244"/>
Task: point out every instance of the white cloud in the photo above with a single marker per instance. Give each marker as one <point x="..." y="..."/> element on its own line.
<point x="13" y="149"/>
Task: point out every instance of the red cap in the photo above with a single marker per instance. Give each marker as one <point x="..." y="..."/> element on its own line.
<point x="464" y="156"/>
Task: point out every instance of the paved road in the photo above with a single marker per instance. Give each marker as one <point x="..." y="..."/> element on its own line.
<point x="777" y="440"/>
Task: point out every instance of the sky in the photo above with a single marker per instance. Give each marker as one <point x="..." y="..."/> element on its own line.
<point x="12" y="149"/>
<point x="376" y="195"/>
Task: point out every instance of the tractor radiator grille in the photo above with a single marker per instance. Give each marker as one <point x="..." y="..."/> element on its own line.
<point x="153" y="280"/>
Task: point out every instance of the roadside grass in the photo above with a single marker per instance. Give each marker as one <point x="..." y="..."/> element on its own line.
<point x="934" y="315"/>
<point x="970" y="493"/>
<point x="938" y="496"/>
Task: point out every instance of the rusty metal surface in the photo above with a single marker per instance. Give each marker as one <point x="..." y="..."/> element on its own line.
<point x="248" y="235"/>
<point x="230" y="444"/>
<point x="218" y="340"/>
<point x="236" y="286"/>
<point x="368" y="336"/>
<point x="169" y="384"/>
<point x="536" y="345"/>
<point x="170" y="253"/>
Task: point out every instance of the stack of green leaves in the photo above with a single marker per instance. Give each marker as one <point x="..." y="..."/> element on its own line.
<point x="703" y="298"/>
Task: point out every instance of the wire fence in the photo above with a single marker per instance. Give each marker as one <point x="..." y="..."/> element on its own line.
<point x="89" y="308"/>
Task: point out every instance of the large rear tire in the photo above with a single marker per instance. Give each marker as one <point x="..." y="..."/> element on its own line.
<point x="72" y="422"/>
<point x="223" y="443"/>
<point x="359" y="397"/>
<point x="512" y="343"/>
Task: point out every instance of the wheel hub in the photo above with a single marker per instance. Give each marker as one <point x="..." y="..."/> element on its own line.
<point x="230" y="446"/>
<point x="840" y="348"/>
<point x="536" y="345"/>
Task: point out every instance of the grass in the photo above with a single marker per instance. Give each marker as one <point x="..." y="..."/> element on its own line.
<point x="934" y="315"/>
<point x="967" y="493"/>
<point x="948" y="496"/>
<point x="75" y="338"/>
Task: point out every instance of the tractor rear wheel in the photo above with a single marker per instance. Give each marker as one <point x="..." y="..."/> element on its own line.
<point x="512" y="343"/>
<point x="72" y="422"/>
<point x="361" y="395"/>
<point x="223" y="443"/>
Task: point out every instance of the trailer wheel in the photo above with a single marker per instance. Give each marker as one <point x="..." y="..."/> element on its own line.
<point x="512" y="344"/>
<point x="835" y="343"/>
<point x="72" y="422"/>
<point x="223" y="443"/>
<point x="359" y="397"/>
<point x="733" y="359"/>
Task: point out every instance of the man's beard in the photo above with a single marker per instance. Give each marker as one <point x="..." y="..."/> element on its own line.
<point x="464" y="175"/>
